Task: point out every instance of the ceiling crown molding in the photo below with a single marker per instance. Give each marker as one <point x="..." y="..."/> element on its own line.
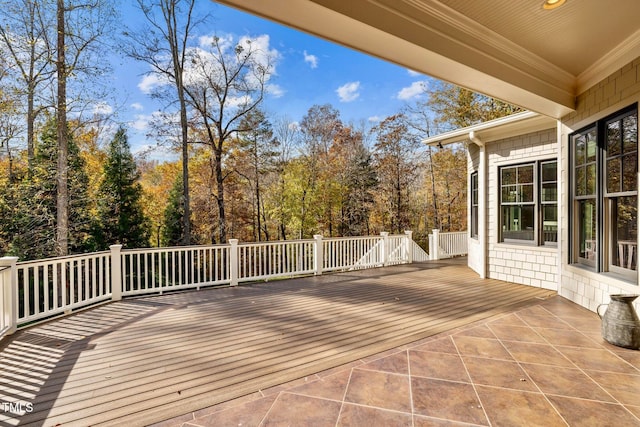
<point x="615" y="59"/>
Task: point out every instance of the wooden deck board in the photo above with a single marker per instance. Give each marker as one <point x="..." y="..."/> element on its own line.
<point x="143" y="360"/>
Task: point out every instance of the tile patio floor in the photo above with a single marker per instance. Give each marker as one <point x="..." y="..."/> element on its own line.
<point x="544" y="365"/>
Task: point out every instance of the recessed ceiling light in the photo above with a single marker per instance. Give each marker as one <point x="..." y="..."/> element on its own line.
<point x="552" y="4"/>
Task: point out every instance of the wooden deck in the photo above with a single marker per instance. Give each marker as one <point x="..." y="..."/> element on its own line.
<point x="144" y="360"/>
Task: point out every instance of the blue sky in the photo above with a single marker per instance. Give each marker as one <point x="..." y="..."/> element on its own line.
<point x="308" y="71"/>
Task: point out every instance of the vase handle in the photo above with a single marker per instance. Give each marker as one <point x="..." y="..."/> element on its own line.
<point x="598" y="310"/>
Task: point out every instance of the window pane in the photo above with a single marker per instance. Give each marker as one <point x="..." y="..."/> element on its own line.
<point x="508" y="176"/>
<point x="614" y="141"/>
<point x="587" y="229"/>
<point x="509" y="194"/>
<point x="526" y="193"/>
<point x="590" y="179"/>
<point x="549" y="171"/>
<point x="580" y="144"/>
<point x="550" y="223"/>
<point x="525" y="174"/>
<point x="549" y="192"/>
<point x="625" y="239"/>
<point x="517" y="222"/>
<point x="613" y="175"/>
<point x="630" y="170"/>
<point x="581" y="183"/>
<point x="630" y="133"/>
<point x="591" y="146"/>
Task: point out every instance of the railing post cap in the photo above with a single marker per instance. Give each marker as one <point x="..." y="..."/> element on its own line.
<point x="115" y="247"/>
<point x="317" y="236"/>
<point x="384" y="233"/>
<point x="8" y="260"/>
<point x="233" y="241"/>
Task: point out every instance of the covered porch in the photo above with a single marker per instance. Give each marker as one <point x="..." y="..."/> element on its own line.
<point x="145" y="360"/>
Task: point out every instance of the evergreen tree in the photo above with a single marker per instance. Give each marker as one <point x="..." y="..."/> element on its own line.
<point x="173" y="228"/>
<point x="29" y="208"/>
<point x="120" y="214"/>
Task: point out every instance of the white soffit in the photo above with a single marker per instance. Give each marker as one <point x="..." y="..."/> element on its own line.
<point x="493" y="130"/>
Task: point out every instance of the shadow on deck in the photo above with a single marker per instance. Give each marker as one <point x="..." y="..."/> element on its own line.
<point x="144" y="360"/>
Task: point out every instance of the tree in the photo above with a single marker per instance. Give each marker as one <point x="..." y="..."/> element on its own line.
<point x="227" y="82"/>
<point x="259" y="145"/>
<point x="318" y="130"/>
<point x="162" y="44"/>
<point x="80" y="27"/>
<point x="120" y="214"/>
<point x="173" y="228"/>
<point x="456" y="107"/>
<point x="26" y="37"/>
<point x="29" y="211"/>
<point x="395" y="152"/>
<point x="356" y="179"/>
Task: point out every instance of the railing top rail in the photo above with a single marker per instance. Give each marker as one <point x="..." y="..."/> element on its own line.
<point x="62" y="258"/>
<point x="276" y="242"/>
<point x="334" y="239"/>
<point x="176" y="248"/>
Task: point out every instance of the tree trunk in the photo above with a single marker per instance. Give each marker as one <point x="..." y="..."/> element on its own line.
<point x="62" y="191"/>
<point x="222" y="221"/>
<point x="433" y="190"/>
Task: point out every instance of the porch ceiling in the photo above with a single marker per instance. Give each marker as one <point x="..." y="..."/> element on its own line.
<point x="510" y="49"/>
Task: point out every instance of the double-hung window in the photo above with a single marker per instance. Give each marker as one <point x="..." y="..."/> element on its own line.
<point x="529" y="203"/>
<point x="605" y="194"/>
<point x="474" y="205"/>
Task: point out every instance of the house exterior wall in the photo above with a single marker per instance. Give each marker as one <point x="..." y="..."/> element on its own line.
<point x="612" y="94"/>
<point x="525" y="264"/>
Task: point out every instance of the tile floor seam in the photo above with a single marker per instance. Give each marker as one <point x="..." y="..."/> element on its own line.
<point x="529" y="376"/>
<point x="269" y="410"/>
<point x="410" y="388"/>
<point x="473" y="385"/>
<point x="344" y="396"/>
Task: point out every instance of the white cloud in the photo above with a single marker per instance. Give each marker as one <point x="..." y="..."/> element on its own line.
<point x="348" y="92"/>
<point x="312" y="60"/>
<point x="415" y="90"/>
<point x="102" y="108"/>
<point x="141" y="122"/>
<point x="413" y="73"/>
<point x="274" y="90"/>
<point x="137" y="106"/>
<point x="375" y="119"/>
<point x="151" y="81"/>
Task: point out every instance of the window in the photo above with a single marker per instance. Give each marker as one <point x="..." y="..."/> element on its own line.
<point x="529" y="203"/>
<point x="605" y="194"/>
<point x="474" y="205"/>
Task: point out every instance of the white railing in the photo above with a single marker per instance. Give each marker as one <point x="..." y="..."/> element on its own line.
<point x="35" y="290"/>
<point x="48" y="287"/>
<point x="447" y="245"/>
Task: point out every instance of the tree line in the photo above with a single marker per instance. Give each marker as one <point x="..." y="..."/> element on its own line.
<point x="69" y="183"/>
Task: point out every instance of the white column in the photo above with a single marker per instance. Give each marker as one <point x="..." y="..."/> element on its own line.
<point x="435" y="249"/>
<point x="9" y="296"/>
<point x="385" y="248"/>
<point x="318" y="254"/>
<point x="409" y="247"/>
<point x="233" y="262"/>
<point x="116" y="272"/>
<point x="483" y="210"/>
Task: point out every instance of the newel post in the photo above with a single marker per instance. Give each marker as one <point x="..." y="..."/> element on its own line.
<point x="9" y="297"/>
<point x="385" y="248"/>
<point x="318" y="254"/>
<point x="409" y="246"/>
<point x="116" y="272"/>
<point x="435" y="248"/>
<point x="234" y="260"/>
